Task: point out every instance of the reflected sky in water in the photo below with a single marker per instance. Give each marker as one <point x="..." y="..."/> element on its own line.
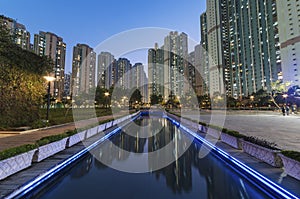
<point x="188" y="177"/>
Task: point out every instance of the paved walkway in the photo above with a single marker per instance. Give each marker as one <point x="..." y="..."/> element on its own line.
<point x="13" y="139"/>
<point x="268" y="125"/>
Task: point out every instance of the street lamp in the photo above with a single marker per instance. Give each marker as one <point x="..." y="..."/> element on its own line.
<point x="285" y="98"/>
<point x="106" y="94"/>
<point x="49" y="80"/>
<point x="252" y="98"/>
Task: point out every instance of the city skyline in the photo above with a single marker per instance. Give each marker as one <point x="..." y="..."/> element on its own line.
<point x="67" y="23"/>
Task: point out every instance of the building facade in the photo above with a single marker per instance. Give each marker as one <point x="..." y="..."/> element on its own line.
<point x="106" y="70"/>
<point x="203" y="48"/>
<point x="83" y="69"/>
<point x="155" y="71"/>
<point x="20" y="35"/>
<point x="198" y="73"/>
<point x="175" y="63"/>
<point x="214" y="47"/>
<point x="122" y="73"/>
<point x="242" y="46"/>
<point x="67" y="86"/>
<point x="50" y="45"/>
<point x="289" y="36"/>
<point x="140" y="80"/>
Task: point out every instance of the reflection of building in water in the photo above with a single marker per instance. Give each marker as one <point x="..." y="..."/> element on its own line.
<point x="83" y="167"/>
<point x="219" y="181"/>
<point x="215" y="181"/>
<point x="178" y="174"/>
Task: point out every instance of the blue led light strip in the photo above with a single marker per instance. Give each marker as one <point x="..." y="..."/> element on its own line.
<point x="281" y="192"/>
<point x="31" y="185"/>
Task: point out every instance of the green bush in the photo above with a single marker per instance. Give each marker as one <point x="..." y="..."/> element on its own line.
<point x="72" y="132"/>
<point x="51" y="138"/>
<point x="216" y="127"/>
<point x="16" y="151"/>
<point x="203" y="124"/>
<point x="261" y="142"/>
<point x="39" y="124"/>
<point x="233" y="133"/>
<point x="292" y="154"/>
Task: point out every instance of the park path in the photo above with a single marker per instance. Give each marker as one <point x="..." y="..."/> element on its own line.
<point x="13" y="139"/>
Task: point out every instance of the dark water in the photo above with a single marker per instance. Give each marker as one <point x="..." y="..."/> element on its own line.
<point x="188" y="177"/>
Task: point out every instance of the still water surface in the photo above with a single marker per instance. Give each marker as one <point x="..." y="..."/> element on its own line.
<point x="189" y="177"/>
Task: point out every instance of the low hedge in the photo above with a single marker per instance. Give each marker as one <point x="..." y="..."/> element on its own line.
<point x="17" y="150"/>
<point x="261" y="142"/>
<point x="292" y="154"/>
<point x="233" y="133"/>
<point x="51" y="138"/>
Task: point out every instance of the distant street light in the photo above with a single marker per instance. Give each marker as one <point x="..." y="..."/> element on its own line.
<point x="106" y="94"/>
<point x="252" y="98"/>
<point x="285" y="98"/>
<point x="49" y="80"/>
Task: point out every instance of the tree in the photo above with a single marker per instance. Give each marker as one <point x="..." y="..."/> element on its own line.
<point x="156" y="99"/>
<point x="136" y="97"/>
<point x="278" y="89"/>
<point x="22" y="86"/>
<point x="100" y="96"/>
<point x="173" y="100"/>
<point x="231" y="102"/>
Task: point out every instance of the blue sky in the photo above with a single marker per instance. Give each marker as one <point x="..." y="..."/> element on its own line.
<point x="93" y="21"/>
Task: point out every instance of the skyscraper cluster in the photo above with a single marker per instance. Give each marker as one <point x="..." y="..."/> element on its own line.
<point x="174" y="71"/>
<point x="121" y="73"/>
<point x="249" y="44"/>
<point x="245" y="46"/>
<point x="110" y="72"/>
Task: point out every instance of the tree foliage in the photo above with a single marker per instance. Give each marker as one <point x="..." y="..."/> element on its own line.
<point x="136" y="96"/>
<point x="156" y="99"/>
<point x="22" y="86"/>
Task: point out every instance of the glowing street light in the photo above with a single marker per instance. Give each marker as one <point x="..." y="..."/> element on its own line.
<point x="49" y="80"/>
<point x="285" y="98"/>
<point x="106" y="94"/>
<point x="251" y="98"/>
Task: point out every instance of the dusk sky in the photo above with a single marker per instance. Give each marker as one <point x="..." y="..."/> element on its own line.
<point x="93" y="21"/>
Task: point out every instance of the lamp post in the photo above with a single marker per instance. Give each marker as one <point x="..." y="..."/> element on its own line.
<point x="49" y="80"/>
<point x="252" y="98"/>
<point x="106" y="94"/>
<point x="285" y="98"/>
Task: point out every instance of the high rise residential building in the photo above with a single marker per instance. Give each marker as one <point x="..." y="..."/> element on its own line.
<point x="198" y="71"/>
<point x="67" y="86"/>
<point x="50" y="45"/>
<point x="155" y="71"/>
<point x="83" y="69"/>
<point x="168" y="67"/>
<point x="214" y="47"/>
<point x="203" y="48"/>
<point x="105" y="72"/>
<point x="243" y="46"/>
<point x="175" y="63"/>
<point x="252" y="35"/>
<point x="20" y="35"/>
<point x="289" y="36"/>
<point x="190" y="74"/>
<point x="122" y="73"/>
<point x="140" y="80"/>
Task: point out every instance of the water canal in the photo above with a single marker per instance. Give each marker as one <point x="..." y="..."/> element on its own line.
<point x="190" y="176"/>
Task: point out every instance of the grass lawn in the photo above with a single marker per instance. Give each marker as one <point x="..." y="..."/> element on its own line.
<point x="63" y="115"/>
